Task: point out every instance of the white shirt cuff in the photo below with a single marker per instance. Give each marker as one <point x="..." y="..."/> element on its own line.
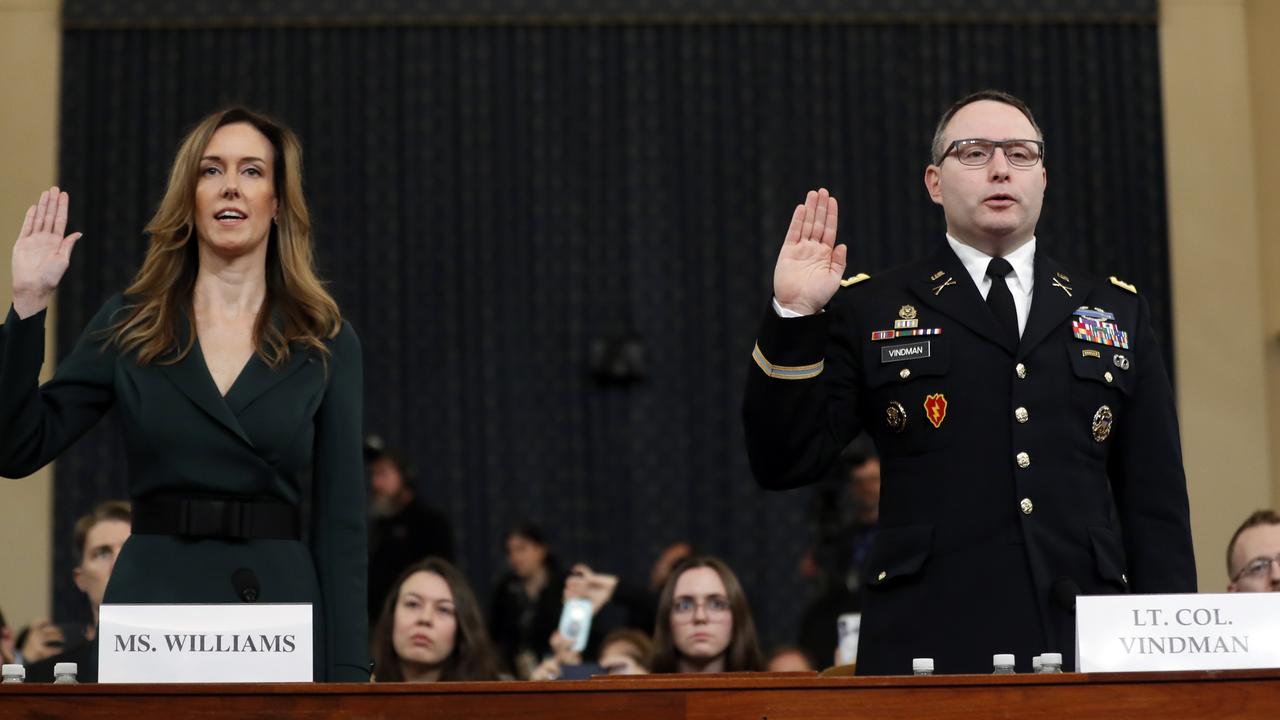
<point x="783" y="312"/>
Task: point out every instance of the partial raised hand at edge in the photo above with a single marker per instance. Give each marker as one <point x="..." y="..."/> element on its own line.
<point x="41" y="253"/>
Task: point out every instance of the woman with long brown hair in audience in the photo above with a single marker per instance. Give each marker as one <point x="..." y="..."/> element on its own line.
<point x="431" y="629"/>
<point x="235" y="378"/>
<point x="704" y="622"/>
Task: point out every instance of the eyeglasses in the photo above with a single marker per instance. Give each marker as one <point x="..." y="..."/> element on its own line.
<point x="1257" y="567"/>
<point x="716" y="607"/>
<point x="976" y="152"/>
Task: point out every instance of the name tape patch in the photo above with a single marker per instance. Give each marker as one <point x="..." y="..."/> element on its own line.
<point x="905" y="351"/>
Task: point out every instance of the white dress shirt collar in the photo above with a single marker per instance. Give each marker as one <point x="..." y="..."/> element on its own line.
<point x="1021" y="281"/>
<point x="975" y="261"/>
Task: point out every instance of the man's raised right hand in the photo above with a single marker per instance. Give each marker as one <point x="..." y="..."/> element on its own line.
<point x="810" y="264"/>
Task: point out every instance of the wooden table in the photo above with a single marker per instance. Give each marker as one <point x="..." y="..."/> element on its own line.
<point x="756" y="696"/>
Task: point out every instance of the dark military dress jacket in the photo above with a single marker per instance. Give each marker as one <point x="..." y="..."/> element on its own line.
<point x="274" y="432"/>
<point x="1015" y="475"/>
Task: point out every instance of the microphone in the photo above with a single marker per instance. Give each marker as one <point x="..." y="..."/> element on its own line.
<point x="1064" y="592"/>
<point x="245" y="581"/>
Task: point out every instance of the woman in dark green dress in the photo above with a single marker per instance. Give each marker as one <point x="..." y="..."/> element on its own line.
<point x="237" y="382"/>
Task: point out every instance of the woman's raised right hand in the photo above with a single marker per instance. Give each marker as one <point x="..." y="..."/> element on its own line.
<point x="41" y="254"/>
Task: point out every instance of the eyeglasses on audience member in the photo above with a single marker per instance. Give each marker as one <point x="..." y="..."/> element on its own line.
<point x="715" y="606"/>
<point x="1256" y="568"/>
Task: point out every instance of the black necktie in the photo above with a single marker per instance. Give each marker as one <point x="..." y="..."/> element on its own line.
<point x="1000" y="300"/>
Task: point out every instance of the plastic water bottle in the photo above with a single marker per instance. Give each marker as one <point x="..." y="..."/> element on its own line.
<point x="922" y="666"/>
<point x="1051" y="663"/>
<point x="13" y="674"/>
<point x="64" y="673"/>
<point x="1003" y="663"/>
<point x="1035" y="664"/>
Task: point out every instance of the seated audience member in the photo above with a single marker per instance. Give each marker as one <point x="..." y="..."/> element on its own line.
<point x="8" y="650"/>
<point x="632" y="605"/>
<point x="627" y="652"/>
<point x="615" y="602"/>
<point x="562" y="657"/>
<point x="39" y="640"/>
<point x="623" y="652"/>
<point x="788" y="659"/>
<point x="431" y="629"/>
<point x="403" y="528"/>
<point x="97" y="539"/>
<point x="704" y="623"/>
<point x="527" y="600"/>
<point x="1253" y="555"/>
<point x="667" y="559"/>
<point x="846" y="519"/>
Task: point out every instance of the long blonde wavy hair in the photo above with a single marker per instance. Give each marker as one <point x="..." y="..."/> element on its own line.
<point x="297" y="308"/>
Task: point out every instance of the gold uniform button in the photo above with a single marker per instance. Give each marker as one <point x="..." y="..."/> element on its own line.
<point x="906" y="373"/>
<point x="1026" y="506"/>
<point x="1022" y="415"/>
<point x="1024" y="460"/>
<point x="1021" y="370"/>
<point x="1108" y="376"/>
<point x="882" y="576"/>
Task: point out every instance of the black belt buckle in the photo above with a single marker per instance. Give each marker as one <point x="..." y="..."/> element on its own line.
<point x="215" y="518"/>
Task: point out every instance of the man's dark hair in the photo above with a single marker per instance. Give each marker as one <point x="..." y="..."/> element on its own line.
<point x="109" y="510"/>
<point x="1259" y="517"/>
<point x="3" y="625"/>
<point x="999" y="96"/>
<point x="528" y="530"/>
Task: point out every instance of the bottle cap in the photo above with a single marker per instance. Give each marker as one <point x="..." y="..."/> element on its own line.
<point x="922" y="664"/>
<point x="1002" y="659"/>
<point x="65" y="668"/>
<point x="1035" y="662"/>
<point x="13" y="671"/>
<point x="1051" y="658"/>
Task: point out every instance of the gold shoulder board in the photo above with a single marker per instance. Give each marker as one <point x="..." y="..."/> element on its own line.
<point x="1122" y="284"/>
<point x="854" y="280"/>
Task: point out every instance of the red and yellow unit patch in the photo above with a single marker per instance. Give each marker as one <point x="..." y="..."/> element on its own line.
<point x="935" y="408"/>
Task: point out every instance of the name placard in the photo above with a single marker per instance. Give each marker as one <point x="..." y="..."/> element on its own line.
<point x="1209" y="631"/>
<point x="205" y="643"/>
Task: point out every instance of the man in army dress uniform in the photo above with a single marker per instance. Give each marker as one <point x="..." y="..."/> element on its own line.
<point x="1024" y="418"/>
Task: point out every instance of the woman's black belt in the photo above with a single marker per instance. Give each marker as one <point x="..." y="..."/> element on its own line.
<point x="216" y="518"/>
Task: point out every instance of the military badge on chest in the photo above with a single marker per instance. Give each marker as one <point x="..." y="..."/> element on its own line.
<point x="907" y="319"/>
<point x="1102" y="423"/>
<point x="895" y="417"/>
<point x="1098" y="326"/>
<point x="935" y="408"/>
<point x="908" y="325"/>
<point x="935" y="411"/>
